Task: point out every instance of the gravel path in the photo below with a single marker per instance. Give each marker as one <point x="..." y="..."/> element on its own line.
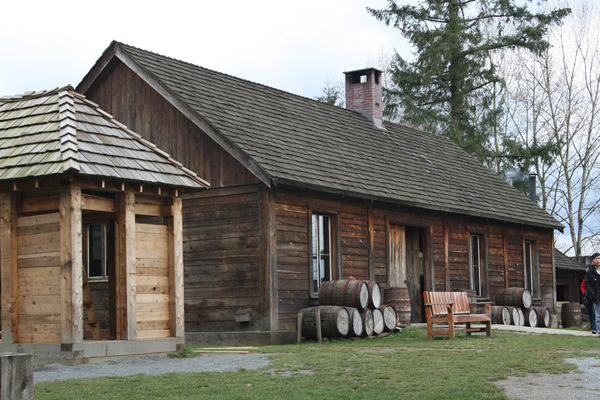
<point x="151" y="365"/>
<point x="583" y="384"/>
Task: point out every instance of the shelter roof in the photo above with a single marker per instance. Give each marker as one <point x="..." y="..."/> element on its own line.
<point x="60" y="132"/>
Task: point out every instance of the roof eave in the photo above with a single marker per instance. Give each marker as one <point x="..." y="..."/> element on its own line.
<point x="414" y="204"/>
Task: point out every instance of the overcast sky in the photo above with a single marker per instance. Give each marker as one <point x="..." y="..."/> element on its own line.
<point x="296" y="46"/>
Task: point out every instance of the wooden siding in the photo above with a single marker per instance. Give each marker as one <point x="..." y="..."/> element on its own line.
<point x="39" y="279"/>
<point x="152" y="281"/>
<point x="122" y="93"/>
<point x="222" y="271"/>
<point x="293" y="259"/>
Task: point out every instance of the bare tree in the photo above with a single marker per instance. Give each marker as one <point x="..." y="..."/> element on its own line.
<point x="554" y="99"/>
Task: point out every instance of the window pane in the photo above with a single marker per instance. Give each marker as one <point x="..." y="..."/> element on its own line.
<point x="95" y="251"/>
<point x="476" y="265"/>
<point x="321" y="250"/>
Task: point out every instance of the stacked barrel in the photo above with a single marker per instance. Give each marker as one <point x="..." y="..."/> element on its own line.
<point x="349" y="308"/>
<point x="514" y="307"/>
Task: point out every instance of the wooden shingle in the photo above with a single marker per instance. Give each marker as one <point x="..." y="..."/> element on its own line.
<point x="60" y="132"/>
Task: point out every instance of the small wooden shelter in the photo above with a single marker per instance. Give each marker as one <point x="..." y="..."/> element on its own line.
<point x="90" y="233"/>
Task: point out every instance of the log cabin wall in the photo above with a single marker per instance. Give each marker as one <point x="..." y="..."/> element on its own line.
<point x="39" y="279"/>
<point x="152" y="281"/>
<point x="133" y="102"/>
<point x="223" y="268"/>
<point x="360" y="259"/>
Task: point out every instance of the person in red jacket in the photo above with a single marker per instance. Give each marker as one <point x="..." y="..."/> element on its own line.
<point x="589" y="306"/>
<point x="592" y="286"/>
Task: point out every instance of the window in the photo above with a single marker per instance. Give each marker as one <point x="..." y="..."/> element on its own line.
<point x="532" y="276"/>
<point x="478" y="267"/>
<point x="321" y="251"/>
<point x="96" y="250"/>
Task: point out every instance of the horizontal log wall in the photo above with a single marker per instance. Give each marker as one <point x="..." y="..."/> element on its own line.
<point x="38" y="279"/>
<point x="221" y="230"/>
<point x="293" y="259"/>
<point x="152" y="281"/>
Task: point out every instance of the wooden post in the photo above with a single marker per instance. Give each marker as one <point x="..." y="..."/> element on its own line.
<point x="16" y="376"/>
<point x="8" y="266"/>
<point x="371" y="222"/>
<point x="126" y="279"/>
<point x="175" y="235"/>
<point x="71" y="262"/>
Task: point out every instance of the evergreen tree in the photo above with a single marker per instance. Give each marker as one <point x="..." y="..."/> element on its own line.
<point x="331" y="95"/>
<point x="443" y="89"/>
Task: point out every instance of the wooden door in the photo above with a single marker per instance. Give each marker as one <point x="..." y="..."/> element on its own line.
<point x="413" y="272"/>
<point x="405" y="265"/>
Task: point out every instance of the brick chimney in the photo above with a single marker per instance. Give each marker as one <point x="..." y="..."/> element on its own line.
<point x="364" y="94"/>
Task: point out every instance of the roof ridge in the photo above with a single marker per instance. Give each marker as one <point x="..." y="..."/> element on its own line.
<point x="68" y="129"/>
<point x="34" y="94"/>
<point x="125" y="47"/>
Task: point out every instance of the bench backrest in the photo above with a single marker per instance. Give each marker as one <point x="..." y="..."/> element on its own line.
<point x="460" y="299"/>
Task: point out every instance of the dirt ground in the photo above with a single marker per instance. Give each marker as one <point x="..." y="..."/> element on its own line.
<point x="583" y="384"/>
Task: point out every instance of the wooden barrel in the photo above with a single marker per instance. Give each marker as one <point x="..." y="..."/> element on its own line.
<point x="500" y="315"/>
<point x="531" y="317"/>
<point x="543" y="316"/>
<point x="375" y="296"/>
<point x="515" y="319"/>
<point x="351" y="293"/>
<point x="571" y="315"/>
<point x="390" y="319"/>
<point x="335" y="321"/>
<point x="399" y="298"/>
<point x="521" y="317"/>
<point x="517" y="297"/>
<point x="356" y="324"/>
<point x="367" y="319"/>
<point x="378" y="323"/>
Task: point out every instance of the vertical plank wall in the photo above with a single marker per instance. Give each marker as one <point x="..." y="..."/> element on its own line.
<point x="152" y="281"/>
<point x="38" y="279"/>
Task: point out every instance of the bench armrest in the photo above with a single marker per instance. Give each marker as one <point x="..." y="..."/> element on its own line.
<point x="448" y="303"/>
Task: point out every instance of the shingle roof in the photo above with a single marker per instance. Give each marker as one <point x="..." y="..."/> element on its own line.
<point x="303" y="142"/>
<point x="59" y="131"/>
<point x="565" y="262"/>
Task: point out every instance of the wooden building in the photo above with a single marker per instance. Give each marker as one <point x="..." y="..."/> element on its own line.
<point x="569" y="275"/>
<point x="303" y="192"/>
<point x="89" y="211"/>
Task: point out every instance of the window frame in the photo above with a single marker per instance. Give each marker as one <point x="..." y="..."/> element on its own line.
<point x="104" y="250"/>
<point x="531" y="268"/>
<point x="482" y="289"/>
<point x="333" y="256"/>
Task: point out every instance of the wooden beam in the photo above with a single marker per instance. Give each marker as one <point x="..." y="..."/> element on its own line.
<point x="269" y="311"/>
<point x="8" y="266"/>
<point x="97" y="203"/>
<point x="370" y="222"/>
<point x="446" y="256"/>
<point x="176" y="304"/>
<point x="126" y="271"/>
<point x="39" y="204"/>
<point x="505" y="250"/>
<point x="71" y="261"/>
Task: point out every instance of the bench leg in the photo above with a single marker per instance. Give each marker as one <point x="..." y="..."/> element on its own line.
<point x="430" y="330"/>
<point x="488" y="328"/>
<point x="468" y="329"/>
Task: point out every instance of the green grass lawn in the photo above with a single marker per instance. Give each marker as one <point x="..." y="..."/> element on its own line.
<point x="402" y="365"/>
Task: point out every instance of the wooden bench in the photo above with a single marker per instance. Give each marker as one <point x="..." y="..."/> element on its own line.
<point x="451" y="309"/>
